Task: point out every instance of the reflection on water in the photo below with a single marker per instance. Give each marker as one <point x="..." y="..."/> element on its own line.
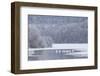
<point x="69" y="51"/>
<point x="53" y="54"/>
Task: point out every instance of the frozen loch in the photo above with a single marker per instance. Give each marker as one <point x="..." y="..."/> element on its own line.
<point x="59" y="51"/>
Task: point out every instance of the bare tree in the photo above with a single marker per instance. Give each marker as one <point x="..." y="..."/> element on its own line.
<point x="36" y="40"/>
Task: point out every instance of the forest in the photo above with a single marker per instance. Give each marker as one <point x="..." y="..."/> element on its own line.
<point x="45" y="30"/>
